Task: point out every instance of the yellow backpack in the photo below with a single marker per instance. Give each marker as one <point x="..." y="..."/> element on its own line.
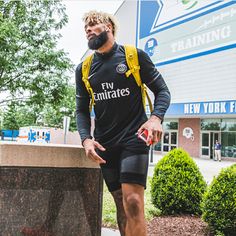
<point x="131" y="55"/>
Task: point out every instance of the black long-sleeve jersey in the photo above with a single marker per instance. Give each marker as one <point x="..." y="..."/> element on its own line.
<point x="119" y="110"/>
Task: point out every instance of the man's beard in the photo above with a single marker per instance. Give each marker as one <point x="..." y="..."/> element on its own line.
<point x="98" y="41"/>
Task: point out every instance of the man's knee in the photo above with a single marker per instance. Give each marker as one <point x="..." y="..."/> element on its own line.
<point x="133" y="204"/>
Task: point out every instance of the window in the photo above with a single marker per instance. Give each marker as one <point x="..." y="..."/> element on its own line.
<point x="210" y="124"/>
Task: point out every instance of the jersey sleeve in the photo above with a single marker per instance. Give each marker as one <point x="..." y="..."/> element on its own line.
<point x="83" y="119"/>
<point x="155" y="82"/>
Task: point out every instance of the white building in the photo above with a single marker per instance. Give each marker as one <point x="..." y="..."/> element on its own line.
<point x="193" y="45"/>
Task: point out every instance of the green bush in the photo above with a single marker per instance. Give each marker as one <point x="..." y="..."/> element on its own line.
<point x="177" y="186"/>
<point x="219" y="202"/>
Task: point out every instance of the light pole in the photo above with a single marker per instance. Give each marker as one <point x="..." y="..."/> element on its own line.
<point x="66" y="122"/>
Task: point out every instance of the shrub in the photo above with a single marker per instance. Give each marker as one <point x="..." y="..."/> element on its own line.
<point x="219" y="202"/>
<point x="177" y="186"/>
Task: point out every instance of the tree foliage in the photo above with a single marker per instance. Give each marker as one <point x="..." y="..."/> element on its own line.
<point x="219" y="202"/>
<point x="32" y="69"/>
<point x="53" y="115"/>
<point x="17" y="115"/>
<point x="177" y="185"/>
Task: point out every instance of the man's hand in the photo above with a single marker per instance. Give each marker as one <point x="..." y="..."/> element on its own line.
<point x="90" y="146"/>
<point x="154" y="128"/>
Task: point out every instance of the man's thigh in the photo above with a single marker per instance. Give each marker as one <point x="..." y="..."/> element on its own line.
<point x="134" y="167"/>
<point x="124" y="166"/>
<point x="111" y="169"/>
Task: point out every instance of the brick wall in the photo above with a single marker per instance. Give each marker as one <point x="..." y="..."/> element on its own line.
<point x="191" y="145"/>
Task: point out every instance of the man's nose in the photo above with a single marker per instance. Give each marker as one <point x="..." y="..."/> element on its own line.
<point x="88" y="29"/>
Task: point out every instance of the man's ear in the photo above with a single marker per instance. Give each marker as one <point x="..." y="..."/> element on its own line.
<point x="108" y="27"/>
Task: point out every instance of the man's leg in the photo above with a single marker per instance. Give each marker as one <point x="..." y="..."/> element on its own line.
<point x="216" y="155"/>
<point x="120" y="212"/>
<point x="111" y="175"/>
<point x="133" y="200"/>
<point x="133" y="176"/>
<point x="219" y="155"/>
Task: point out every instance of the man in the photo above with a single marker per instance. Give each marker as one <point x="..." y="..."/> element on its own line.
<point x="123" y="157"/>
<point x="217" y="151"/>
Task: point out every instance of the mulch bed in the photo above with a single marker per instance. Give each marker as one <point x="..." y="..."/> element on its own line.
<point x="177" y="226"/>
<point x="183" y="225"/>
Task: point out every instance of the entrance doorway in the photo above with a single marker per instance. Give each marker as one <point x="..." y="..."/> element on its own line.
<point x="207" y="143"/>
<point x="169" y="141"/>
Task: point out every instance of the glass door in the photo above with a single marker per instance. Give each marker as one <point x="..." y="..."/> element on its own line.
<point x="166" y="142"/>
<point x="205" y="144"/>
<point x="169" y="140"/>
<point x="208" y="142"/>
<point x="214" y="136"/>
<point x="173" y="140"/>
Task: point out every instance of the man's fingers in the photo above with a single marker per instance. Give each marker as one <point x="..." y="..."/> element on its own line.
<point x="95" y="157"/>
<point x="159" y="135"/>
<point x="141" y="129"/>
<point x="99" y="146"/>
<point x="99" y="160"/>
<point x="149" y="138"/>
<point x="155" y="136"/>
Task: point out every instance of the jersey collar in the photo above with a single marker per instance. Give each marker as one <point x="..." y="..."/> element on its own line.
<point x="108" y="54"/>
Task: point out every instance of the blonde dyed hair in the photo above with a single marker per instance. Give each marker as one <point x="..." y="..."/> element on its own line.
<point x="95" y="17"/>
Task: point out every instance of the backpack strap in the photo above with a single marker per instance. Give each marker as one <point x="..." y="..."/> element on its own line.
<point x="85" y="74"/>
<point x="131" y="55"/>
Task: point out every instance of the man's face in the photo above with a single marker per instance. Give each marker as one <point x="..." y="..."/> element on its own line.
<point x="96" y="35"/>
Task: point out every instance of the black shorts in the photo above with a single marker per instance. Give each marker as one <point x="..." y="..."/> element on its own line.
<point x="125" y="163"/>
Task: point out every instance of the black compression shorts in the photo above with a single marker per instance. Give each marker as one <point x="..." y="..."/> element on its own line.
<point x="125" y="163"/>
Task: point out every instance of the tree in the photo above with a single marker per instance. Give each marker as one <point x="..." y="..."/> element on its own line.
<point x="53" y="115"/>
<point x="17" y="115"/>
<point x="9" y="118"/>
<point x="31" y="68"/>
<point x="1" y="118"/>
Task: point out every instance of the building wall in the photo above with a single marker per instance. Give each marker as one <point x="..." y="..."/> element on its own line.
<point x="194" y="72"/>
<point x="198" y="75"/>
<point x="72" y="138"/>
<point x="127" y="23"/>
<point x="192" y="146"/>
<point x="206" y="78"/>
<point x="57" y="137"/>
<point x="203" y="74"/>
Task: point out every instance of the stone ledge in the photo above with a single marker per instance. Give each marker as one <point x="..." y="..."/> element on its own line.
<point x="44" y="155"/>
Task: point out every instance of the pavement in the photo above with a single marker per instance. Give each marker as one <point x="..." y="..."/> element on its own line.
<point x="208" y="167"/>
<point x="110" y="232"/>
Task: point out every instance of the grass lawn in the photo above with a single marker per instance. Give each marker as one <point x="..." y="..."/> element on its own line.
<point x="109" y="209"/>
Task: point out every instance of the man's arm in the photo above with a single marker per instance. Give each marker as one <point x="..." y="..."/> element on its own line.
<point x="84" y="120"/>
<point x="82" y="107"/>
<point x="155" y="82"/>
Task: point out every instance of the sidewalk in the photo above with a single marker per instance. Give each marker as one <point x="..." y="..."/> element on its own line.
<point x="208" y="168"/>
<point x="110" y="232"/>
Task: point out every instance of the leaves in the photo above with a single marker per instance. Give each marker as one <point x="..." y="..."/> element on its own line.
<point x="32" y="69"/>
<point x="19" y="114"/>
<point x="177" y="184"/>
<point x="219" y="202"/>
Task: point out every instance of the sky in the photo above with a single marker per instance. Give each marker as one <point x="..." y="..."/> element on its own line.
<point x="73" y="38"/>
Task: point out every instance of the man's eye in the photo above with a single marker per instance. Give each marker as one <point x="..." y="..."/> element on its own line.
<point x="91" y="24"/>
